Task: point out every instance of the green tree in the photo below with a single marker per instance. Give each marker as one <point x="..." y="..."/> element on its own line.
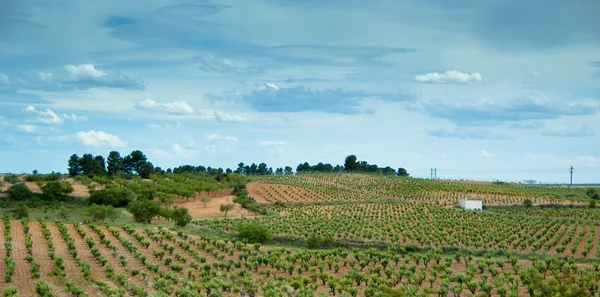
<point x="225" y="208"/>
<point x="135" y="162"/>
<point x="99" y="165"/>
<point x="114" y="163"/>
<point x="146" y="169"/>
<point x="74" y="167"/>
<point x="181" y="216"/>
<point x="253" y="233"/>
<point x="402" y="172"/>
<point x="2" y="186"/>
<point x="144" y="210"/>
<point x="56" y="189"/>
<point x="101" y="212"/>
<point x="592" y="203"/>
<point x="87" y="164"/>
<point x="115" y="196"/>
<point x="350" y="163"/>
<point x="204" y="200"/>
<point x="527" y="203"/>
<point x="19" y="192"/>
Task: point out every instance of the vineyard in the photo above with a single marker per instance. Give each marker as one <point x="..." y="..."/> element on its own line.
<point x="363" y="187"/>
<point x="57" y="259"/>
<point x="423" y="225"/>
<point x="381" y="233"/>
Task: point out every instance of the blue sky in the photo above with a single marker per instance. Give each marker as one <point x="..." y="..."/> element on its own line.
<point x="494" y="89"/>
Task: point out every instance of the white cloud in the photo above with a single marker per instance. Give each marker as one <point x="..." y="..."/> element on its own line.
<point x="74" y="118"/>
<point x="165" y="125"/>
<point x="175" y="152"/>
<point x="87" y="76"/>
<point x="26" y="128"/>
<point x="273" y="144"/>
<point x="212" y="148"/>
<point x="83" y="72"/>
<point x="222" y="65"/>
<point x="221" y="137"/>
<point x="230" y="117"/>
<point x="173" y="107"/>
<point x="486" y="154"/>
<point x="268" y="85"/>
<point x="451" y="76"/>
<point x="99" y="139"/>
<point x="45" y="76"/>
<point x="46" y="116"/>
<point x="4" y="79"/>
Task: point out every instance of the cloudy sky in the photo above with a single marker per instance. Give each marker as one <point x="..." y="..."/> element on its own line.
<point x="494" y="89"/>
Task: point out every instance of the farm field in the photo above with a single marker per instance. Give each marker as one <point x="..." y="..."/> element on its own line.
<point x="333" y="235"/>
<point x="360" y="187"/>
<point x="60" y="259"/>
<point x="423" y="226"/>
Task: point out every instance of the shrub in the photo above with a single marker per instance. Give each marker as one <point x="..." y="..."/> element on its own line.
<point x="181" y="216"/>
<point x="19" y="192"/>
<point x="11" y="178"/>
<point x="21" y="211"/>
<point x="253" y="233"/>
<point x="592" y="193"/>
<point x="117" y="197"/>
<point x="316" y="241"/>
<point x="528" y="203"/>
<point x="9" y="292"/>
<point x="57" y="189"/>
<point x="100" y="212"/>
<point x="592" y="204"/>
<point x="144" y="210"/>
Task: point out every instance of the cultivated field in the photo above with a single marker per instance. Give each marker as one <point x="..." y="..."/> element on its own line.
<point x="366" y="233"/>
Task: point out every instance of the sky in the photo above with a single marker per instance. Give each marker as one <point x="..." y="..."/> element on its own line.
<point x="479" y="89"/>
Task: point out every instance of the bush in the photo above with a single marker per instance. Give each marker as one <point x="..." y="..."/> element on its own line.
<point x="11" y="178"/>
<point x="592" y="204"/>
<point x="144" y="210"/>
<point x="21" y="211"/>
<point x="9" y="292"/>
<point x="592" y="193"/>
<point x="528" y="203"/>
<point x="19" y="192"/>
<point x="316" y="241"/>
<point x="56" y="189"/>
<point x="100" y="212"/>
<point x="181" y="216"/>
<point x="253" y="233"/>
<point x="33" y="178"/>
<point x="117" y="197"/>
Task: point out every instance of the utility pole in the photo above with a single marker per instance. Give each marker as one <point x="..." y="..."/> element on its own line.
<point x="435" y="173"/>
<point x="571" y="172"/>
<point x="431" y="173"/>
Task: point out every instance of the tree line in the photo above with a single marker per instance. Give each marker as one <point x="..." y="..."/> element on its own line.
<point x="136" y="163"/>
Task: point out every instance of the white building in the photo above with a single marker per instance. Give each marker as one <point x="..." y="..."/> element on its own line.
<point x="472" y="204"/>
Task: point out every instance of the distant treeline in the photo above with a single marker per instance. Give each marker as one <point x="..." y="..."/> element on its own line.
<point x="136" y="163"/>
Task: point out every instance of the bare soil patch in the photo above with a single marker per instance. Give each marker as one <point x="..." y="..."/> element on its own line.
<point x="198" y="211"/>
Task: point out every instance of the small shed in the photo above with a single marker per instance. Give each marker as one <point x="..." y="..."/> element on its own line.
<point x="471" y="204"/>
